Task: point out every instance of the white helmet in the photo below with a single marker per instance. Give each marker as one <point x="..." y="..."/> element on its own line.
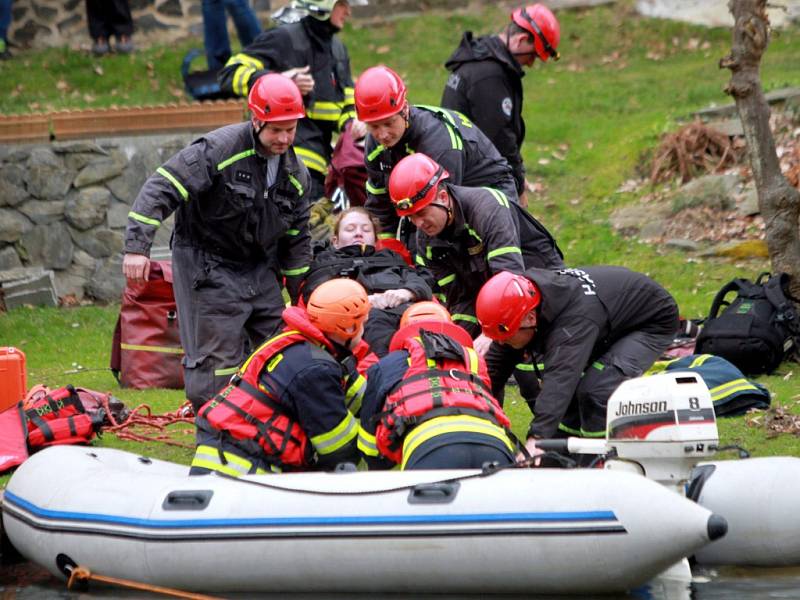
<point x="321" y="9"/>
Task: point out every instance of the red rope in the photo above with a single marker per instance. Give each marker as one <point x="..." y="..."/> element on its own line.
<point x="142" y="417"/>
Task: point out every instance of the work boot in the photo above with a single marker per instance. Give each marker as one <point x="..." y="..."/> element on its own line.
<point x="124" y="45"/>
<point x="100" y="47"/>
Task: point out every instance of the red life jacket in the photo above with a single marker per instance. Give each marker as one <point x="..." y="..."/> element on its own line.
<point x="60" y="418"/>
<point x="444" y="378"/>
<point x="247" y="412"/>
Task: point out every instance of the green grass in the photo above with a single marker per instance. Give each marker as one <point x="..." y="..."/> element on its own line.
<point x="622" y="82"/>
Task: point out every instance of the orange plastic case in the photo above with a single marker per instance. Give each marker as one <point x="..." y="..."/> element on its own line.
<point x="13" y="377"/>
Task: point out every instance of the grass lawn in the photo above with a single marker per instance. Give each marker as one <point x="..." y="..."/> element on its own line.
<point x="622" y="82"/>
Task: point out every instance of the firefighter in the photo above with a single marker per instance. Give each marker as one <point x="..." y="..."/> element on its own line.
<point x="239" y="195"/>
<point x="593" y="327"/>
<point x="485" y="82"/>
<point x="291" y="405"/>
<point x="392" y="284"/>
<point x="428" y="404"/>
<point x="397" y="129"/>
<point x="311" y="53"/>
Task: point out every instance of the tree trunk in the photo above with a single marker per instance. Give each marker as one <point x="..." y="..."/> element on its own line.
<point x="778" y="201"/>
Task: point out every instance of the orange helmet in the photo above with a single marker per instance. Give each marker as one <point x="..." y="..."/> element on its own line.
<point x="379" y="94"/>
<point x="413" y="183"/>
<point x="339" y="306"/>
<point x="542" y="24"/>
<point x="425" y="311"/>
<point x="275" y="97"/>
<point x="503" y="302"/>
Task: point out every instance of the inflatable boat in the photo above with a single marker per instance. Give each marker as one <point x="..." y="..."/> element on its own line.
<point x="514" y="530"/>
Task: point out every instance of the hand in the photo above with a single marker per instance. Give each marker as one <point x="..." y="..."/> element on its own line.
<point x="391" y="298"/>
<point x="523" y="199"/>
<point x="358" y="129"/>
<point x="536" y="453"/>
<point x="481" y="344"/>
<point x="136" y="267"/>
<point x="302" y="78"/>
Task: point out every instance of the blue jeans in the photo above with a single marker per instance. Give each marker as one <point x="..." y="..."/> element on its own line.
<point x="215" y="28"/>
<point x="5" y="18"/>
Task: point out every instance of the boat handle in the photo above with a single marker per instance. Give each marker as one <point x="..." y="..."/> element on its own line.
<point x="434" y="493"/>
<point x="187" y="500"/>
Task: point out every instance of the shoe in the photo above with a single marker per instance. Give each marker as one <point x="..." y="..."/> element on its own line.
<point x="124" y="45"/>
<point x="100" y="47"/>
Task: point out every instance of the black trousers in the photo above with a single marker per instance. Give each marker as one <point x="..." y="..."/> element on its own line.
<point x="109" y="18"/>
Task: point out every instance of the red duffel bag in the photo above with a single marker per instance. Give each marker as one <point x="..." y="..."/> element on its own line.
<point x="146" y="351"/>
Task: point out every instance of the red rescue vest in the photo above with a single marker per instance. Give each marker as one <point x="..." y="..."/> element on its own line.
<point x="247" y="412"/>
<point x="60" y="418"/>
<point x="436" y="384"/>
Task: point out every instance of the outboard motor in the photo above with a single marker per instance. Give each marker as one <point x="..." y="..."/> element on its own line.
<point x="661" y="426"/>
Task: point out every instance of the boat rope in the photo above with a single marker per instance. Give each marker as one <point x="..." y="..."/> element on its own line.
<point x="81" y="575"/>
<point x="487" y="470"/>
<point x="142" y="417"/>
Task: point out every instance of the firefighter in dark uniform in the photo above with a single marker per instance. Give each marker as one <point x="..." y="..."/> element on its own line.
<point x="241" y="225"/>
<point x="309" y="52"/>
<point x="291" y="406"/>
<point x="485" y="82"/>
<point x="392" y="284"/>
<point x="428" y="404"/>
<point x="593" y="328"/>
<point x="397" y="129"/>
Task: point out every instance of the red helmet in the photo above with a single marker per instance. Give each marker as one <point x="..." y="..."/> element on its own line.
<point x="425" y="311"/>
<point x="543" y="26"/>
<point x="275" y="97"/>
<point x="339" y="306"/>
<point x="503" y="302"/>
<point x="413" y="183"/>
<point x="379" y="94"/>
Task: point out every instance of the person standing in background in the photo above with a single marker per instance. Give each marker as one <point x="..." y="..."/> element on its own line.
<point x="215" y="28"/>
<point x="107" y="19"/>
<point x="5" y="21"/>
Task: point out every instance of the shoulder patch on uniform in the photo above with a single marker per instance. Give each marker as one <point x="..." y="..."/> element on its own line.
<point x="507" y="105"/>
<point x="244" y="176"/>
<point x="453" y="81"/>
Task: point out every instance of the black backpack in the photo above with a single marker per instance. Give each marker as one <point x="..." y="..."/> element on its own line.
<point x="757" y="330"/>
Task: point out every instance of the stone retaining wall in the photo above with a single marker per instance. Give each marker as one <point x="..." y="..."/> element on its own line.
<point x="64" y="206"/>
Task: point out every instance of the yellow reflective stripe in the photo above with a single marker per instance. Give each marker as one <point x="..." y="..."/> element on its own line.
<point x="245" y="59"/>
<point x="385" y="236"/>
<point x="367" y="443"/>
<point x="295" y="272"/>
<point x="349" y="95"/>
<point x="730" y="388"/>
<point x="171" y="178"/>
<point x="593" y="434"/>
<point x="375" y="190"/>
<point x="226" y="371"/>
<point x="236" y="157"/>
<point x="447" y="280"/>
<point x="441" y="298"/>
<point x="378" y="149"/>
<point x="569" y="430"/>
<point x="699" y="360"/>
<point x="450" y="424"/>
<point x="504" y="250"/>
<point x="161" y="349"/>
<point x="243" y="368"/>
<point x="346" y="116"/>
<point x="142" y="219"/>
<point x="354" y="394"/>
<point x="292" y="232"/>
<point x="324" y="111"/>
<point x="501" y="198"/>
<point x="455" y="141"/>
<point x="473" y="361"/>
<point x="468" y="318"/>
<point x="297" y="185"/>
<point x="312" y="160"/>
<point x="419" y="260"/>
<point x="234" y="465"/>
<point x="241" y="76"/>
<point x="338" y="437"/>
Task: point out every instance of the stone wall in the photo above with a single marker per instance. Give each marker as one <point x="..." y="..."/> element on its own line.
<point x="64" y="206"/>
